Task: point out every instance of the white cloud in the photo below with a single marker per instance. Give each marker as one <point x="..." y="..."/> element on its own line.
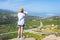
<point x="32" y="6"/>
<point x="50" y="14"/>
<point x="10" y="4"/>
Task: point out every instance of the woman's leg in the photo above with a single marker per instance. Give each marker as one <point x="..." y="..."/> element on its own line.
<point x="19" y="31"/>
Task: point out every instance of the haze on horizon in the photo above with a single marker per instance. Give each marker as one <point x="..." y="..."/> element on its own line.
<point x="44" y="8"/>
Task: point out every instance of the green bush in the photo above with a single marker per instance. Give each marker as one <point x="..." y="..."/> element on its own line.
<point x="8" y="36"/>
<point x="36" y="36"/>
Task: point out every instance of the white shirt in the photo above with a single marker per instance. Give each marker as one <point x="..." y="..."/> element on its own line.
<point x="21" y="18"/>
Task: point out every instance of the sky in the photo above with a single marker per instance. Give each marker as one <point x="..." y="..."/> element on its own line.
<point x="44" y="8"/>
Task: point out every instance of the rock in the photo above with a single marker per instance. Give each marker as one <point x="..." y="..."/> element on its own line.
<point x="30" y="39"/>
<point x="58" y="38"/>
<point x="51" y="37"/>
<point x="25" y="39"/>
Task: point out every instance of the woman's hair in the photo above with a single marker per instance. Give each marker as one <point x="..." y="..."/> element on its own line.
<point x="21" y="9"/>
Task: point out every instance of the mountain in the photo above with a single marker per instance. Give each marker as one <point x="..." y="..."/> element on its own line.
<point x="54" y="18"/>
<point x="7" y="11"/>
<point x="7" y="16"/>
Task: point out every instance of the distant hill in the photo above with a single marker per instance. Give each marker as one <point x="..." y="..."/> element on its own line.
<point x="54" y="18"/>
<point x="7" y="11"/>
<point x="6" y="16"/>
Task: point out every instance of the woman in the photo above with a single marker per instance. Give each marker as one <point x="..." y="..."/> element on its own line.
<point x="21" y="22"/>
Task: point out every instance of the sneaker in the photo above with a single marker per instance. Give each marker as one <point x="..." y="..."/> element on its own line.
<point x="19" y="38"/>
<point x="22" y="38"/>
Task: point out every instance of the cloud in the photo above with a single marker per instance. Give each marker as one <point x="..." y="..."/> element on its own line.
<point x="31" y="5"/>
<point x="50" y="14"/>
<point x="13" y="4"/>
<point x="10" y="4"/>
<point x="34" y="6"/>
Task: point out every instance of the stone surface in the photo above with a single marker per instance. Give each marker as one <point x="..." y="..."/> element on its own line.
<point x="51" y="37"/>
<point x="29" y="39"/>
<point x="25" y="39"/>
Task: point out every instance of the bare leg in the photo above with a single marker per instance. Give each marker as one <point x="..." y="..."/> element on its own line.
<point x="21" y="31"/>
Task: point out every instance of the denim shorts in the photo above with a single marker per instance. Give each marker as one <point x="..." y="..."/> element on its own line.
<point x="21" y="25"/>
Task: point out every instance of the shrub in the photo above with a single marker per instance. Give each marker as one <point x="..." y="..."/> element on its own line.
<point x="36" y="36"/>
